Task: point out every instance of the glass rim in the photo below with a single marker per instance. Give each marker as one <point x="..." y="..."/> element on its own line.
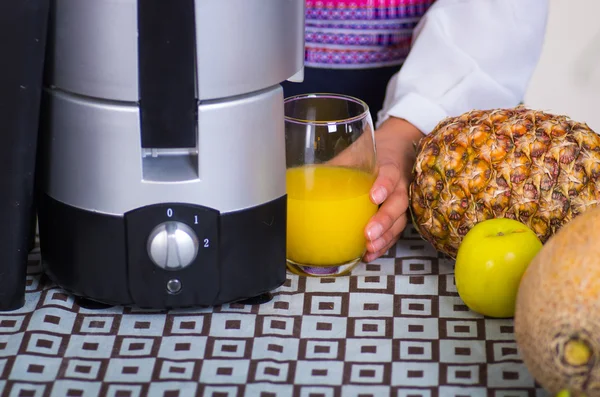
<point x="321" y="95"/>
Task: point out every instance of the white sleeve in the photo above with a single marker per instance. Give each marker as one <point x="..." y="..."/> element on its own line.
<point x="467" y="54"/>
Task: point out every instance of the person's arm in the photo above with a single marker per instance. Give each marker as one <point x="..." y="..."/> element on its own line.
<point x="467" y="54"/>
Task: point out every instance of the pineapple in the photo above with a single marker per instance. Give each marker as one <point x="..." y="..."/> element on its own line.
<point x="535" y="167"/>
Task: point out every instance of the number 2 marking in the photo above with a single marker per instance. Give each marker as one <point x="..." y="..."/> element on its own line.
<point x="206" y="243"/>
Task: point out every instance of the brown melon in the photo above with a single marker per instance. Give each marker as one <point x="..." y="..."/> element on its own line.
<point x="557" y="317"/>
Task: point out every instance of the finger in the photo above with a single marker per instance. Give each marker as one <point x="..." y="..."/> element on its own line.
<point x="371" y="256"/>
<point x="391" y="210"/>
<point x="387" y="179"/>
<point x="354" y="153"/>
<point x="389" y="238"/>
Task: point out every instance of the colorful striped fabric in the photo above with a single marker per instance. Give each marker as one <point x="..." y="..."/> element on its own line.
<point x="360" y="33"/>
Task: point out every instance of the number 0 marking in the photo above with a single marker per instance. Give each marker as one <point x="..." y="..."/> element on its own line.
<point x="169" y="212"/>
<point x="206" y="243"/>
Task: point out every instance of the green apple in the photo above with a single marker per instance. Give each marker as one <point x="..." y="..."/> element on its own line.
<point x="490" y="262"/>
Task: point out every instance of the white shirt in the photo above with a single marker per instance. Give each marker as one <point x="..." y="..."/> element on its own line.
<point x="467" y="54"/>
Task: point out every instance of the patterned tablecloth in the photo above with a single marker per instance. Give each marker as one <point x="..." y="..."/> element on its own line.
<point x="396" y="327"/>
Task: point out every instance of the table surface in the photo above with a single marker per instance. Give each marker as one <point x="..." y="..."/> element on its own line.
<point x="395" y="327"/>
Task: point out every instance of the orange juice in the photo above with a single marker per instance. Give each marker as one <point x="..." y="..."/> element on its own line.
<point x="328" y="209"/>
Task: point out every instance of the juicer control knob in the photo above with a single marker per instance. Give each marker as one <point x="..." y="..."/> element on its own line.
<point x="172" y="245"/>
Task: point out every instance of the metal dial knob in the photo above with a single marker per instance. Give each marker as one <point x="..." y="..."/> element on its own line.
<point x="172" y="245"/>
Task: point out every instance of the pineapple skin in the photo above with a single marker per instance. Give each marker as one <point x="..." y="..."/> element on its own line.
<point x="539" y="168"/>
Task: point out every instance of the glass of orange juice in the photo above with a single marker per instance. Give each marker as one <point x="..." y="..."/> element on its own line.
<point x="331" y="166"/>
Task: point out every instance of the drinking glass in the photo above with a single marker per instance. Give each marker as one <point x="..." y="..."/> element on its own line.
<point x="331" y="166"/>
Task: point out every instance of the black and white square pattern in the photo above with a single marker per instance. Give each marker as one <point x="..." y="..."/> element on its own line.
<point x="182" y="347"/>
<point x="394" y="327"/>
<point x="83" y="369"/>
<point x="225" y="371"/>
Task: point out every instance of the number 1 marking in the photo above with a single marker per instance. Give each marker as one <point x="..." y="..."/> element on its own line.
<point x="195" y="219"/>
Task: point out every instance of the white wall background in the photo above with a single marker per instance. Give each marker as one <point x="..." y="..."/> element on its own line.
<point x="567" y="78"/>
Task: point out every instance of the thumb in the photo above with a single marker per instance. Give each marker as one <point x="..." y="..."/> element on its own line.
<point x="387" y="179"/>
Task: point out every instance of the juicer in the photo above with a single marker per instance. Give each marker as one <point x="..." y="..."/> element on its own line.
<point x="160" y="167"/>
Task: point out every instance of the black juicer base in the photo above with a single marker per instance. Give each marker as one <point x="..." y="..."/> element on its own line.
<point x="104" y="258"/>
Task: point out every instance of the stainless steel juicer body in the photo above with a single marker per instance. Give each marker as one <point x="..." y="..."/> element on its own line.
<point x="162" y="160"/>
